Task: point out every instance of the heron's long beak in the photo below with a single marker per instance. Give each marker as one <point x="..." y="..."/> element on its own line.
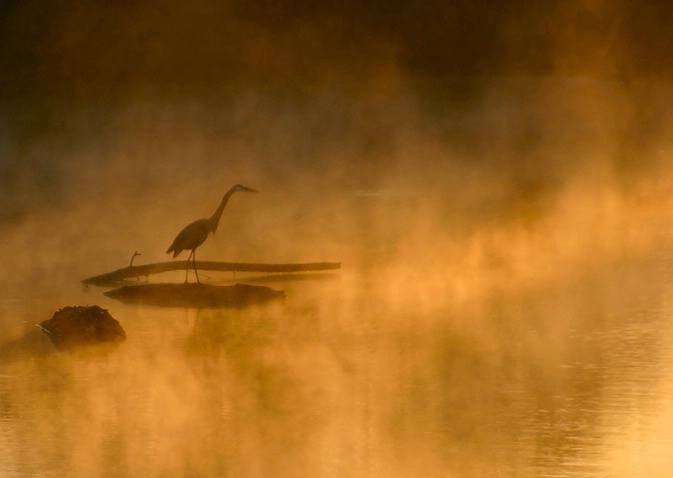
<point x="250" y="190"/>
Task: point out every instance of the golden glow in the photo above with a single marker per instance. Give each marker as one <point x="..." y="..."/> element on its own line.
<point x="475" y="329"/>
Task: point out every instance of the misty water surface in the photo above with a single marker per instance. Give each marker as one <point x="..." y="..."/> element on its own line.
<point x="503" y="309"/>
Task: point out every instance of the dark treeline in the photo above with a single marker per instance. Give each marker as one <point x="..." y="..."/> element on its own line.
<point x="170" y="47"/>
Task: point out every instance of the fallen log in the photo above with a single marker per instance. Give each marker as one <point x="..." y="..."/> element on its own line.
<point x="158" y="267"/>
<point x="196" y="295"/>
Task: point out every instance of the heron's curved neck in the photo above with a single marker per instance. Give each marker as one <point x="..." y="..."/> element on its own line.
<point x="215" y="218"/>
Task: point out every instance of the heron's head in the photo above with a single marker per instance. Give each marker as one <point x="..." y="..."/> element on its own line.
<point x="240" y="188"/>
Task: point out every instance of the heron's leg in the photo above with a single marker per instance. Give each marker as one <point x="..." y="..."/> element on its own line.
<point x="194" y="262"/>
<point x="187" y="267"/>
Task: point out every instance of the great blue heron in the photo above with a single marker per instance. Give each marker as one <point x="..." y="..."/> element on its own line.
<point x="194" y="234"/>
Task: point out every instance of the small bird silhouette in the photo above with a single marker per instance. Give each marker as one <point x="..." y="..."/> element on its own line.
<point x="195" y="234"/>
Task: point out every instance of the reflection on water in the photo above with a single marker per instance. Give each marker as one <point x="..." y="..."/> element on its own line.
<point x="572" y="380"/>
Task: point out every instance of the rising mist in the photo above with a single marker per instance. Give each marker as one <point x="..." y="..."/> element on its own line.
<point x="496" y="185"/>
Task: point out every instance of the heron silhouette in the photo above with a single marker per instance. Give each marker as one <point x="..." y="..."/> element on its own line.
<point x="195" y="234"/>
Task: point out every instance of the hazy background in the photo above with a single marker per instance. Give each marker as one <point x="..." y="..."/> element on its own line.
<point x="133" y="118"/>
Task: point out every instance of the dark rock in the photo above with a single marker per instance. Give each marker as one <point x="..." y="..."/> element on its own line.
<point x="196" y="295"/>
<point x="72" y="327"/>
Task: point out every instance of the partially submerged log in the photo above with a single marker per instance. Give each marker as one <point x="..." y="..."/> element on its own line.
<point x="196" y="295"/>
<point x="72" y="327"/>
<point x="147" y="269"/>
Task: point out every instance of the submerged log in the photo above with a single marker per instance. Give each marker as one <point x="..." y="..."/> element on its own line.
<point x="147" y="269"/>
<point x="72" y="327"/>
<point x="196" y="295"/>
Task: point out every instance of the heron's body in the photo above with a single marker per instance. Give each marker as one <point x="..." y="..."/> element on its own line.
<point x="195" y="233"/>
<point x="191" y="237"/>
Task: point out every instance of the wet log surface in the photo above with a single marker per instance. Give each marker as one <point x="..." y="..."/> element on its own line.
<point x="119" y="275"/>
<point x="75" y="327"/>
<point x="196" y="295"/>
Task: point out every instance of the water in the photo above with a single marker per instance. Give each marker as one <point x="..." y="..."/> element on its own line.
<point x="368" y="372"/>
<point x="503" y="310"/>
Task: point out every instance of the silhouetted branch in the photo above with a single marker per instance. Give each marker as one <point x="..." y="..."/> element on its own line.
<point x="156" y="268"/>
